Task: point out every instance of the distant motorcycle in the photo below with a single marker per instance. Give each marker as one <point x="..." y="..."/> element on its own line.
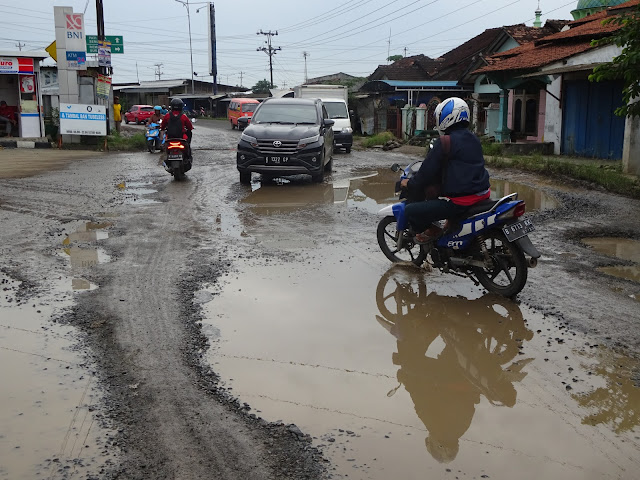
<point x="488" y="245"/>
<point x="155" y="139"/>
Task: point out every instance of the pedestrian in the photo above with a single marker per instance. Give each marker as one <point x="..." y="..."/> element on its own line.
<point x="117" y="113"/>
<point x="8" y="116"/>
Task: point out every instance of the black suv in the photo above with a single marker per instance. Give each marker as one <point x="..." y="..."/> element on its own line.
<point x="287" y="136"/>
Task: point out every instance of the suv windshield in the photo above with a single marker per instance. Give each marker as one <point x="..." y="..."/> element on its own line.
<point x="249" y="107"/>
<point x="336" y="109"/>
<point x="281" y="113"/>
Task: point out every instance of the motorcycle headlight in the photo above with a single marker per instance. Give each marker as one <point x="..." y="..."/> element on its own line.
<point x="347" y="130"/>
<point x="306" y="141"/>
<point x="249" y="139"/>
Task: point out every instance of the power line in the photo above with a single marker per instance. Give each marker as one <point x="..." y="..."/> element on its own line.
<point x="269" y="50"/>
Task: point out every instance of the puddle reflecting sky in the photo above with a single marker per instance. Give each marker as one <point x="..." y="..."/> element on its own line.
<point x="424" y="367"/>
<point x="622" y="248"/>
<point x="84" y="256"/>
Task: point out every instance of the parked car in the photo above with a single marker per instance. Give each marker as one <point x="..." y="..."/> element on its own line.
<point x="138" y="114"/>
<point x="287" y="136"/>
<point x="241" y="107"/>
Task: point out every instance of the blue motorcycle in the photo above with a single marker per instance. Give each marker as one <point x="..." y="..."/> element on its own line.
<point x="155" y="138"/>
<point x="489" y="245"/>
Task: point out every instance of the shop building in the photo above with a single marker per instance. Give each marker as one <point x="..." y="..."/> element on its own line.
<point x="20" y="89"/>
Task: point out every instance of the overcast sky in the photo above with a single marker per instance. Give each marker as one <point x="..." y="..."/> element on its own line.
<point x="350" y="36"/>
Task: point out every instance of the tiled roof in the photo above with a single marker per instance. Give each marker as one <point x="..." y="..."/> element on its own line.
<point x="457" y="62"/>
<point x="557" y="46"/>
<point x="418" y="67"/>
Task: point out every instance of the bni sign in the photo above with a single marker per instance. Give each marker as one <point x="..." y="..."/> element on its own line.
<point x="75" y="41"/>
<point x="79" y="119"/>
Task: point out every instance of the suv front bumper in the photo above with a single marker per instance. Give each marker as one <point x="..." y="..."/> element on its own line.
<point x="304" y="162"/>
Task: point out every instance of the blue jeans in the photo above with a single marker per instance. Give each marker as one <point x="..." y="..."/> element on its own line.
<point x="422" y="214"/>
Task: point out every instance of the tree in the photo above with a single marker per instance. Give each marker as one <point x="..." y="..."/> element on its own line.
<point x="263" y="86"/>
<point x="626" y="66"/>
<point x="395" y="58"/>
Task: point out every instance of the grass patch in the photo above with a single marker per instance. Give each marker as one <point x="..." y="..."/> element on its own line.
<point x="378" y="139"/>
<point x="492" y="148"/>
<point x="137" y="141"/>
<point x="609" y="177"/>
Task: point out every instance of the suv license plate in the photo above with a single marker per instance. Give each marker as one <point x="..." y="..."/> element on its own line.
<point x="277" y="160"/>
<point x="518" y="230"/>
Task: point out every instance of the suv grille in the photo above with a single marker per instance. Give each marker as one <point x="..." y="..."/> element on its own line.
<point x="285" y="147"/>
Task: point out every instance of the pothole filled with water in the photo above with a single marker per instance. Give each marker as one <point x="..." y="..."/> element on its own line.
<point x="620" y="248"/>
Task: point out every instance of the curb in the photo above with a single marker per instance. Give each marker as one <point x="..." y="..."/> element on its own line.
<point x="24" y="144"/>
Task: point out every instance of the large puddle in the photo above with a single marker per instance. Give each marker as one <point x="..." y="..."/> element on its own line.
<point x="621" y="248"/>
<point x="369" y="191"/>
<point x="79" y="246"/>
<point x="400" y="375"/>
<point x="49" y="424"/>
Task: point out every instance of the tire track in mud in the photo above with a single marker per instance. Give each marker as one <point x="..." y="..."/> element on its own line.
<point x="175" y="424"/>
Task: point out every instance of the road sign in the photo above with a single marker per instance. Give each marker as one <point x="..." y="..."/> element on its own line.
<point x="117" y="43"/>
<point x="76" y="119"/>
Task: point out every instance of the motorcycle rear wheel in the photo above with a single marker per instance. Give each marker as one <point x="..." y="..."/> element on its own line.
<point x="388" y="241"/>
<point x="508" y="274"/>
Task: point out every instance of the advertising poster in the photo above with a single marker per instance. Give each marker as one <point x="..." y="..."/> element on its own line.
<point x="104" y="53"/>
<point x="104" y="86"/>
<point x="82" y="119"/>
<point x="27" y="84"/>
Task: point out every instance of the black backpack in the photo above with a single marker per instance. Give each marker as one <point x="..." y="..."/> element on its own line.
<point x="174" y="128"/>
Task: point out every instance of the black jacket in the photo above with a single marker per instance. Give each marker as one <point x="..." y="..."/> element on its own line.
<point x="465" y="173"/>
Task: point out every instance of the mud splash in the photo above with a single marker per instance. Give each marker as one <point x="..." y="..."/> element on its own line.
<point x="430" y="369"/>
<point x="621" y="248"/>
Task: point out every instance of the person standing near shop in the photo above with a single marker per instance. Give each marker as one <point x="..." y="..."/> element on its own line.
<point x="117" y="116"/>
<point x="7" y="115"/>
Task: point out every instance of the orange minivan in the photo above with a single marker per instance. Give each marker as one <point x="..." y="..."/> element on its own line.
<point x="240" y="107"/>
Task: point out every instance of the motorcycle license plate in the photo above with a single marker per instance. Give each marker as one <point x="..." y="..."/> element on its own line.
<point x="518" y="230"/>
<point x="175" y="156"/>
<point x="277" y="160"/>
<point x="153" y="134"/>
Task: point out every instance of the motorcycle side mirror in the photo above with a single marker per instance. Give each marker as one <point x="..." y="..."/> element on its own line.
<point x="395" y="167"/>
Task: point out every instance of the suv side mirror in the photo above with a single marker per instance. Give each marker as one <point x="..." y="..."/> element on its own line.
<point x="243" y="122"/>
<point x="328" y="123"/>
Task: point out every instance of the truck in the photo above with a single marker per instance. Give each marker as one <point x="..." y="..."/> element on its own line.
<point x="335" y="98"/>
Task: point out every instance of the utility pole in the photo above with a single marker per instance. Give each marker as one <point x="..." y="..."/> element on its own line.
<point x="158" y="71"/>
<point x="104" y="70"/>
<point x="405" y="52"/>
<point x="20" y="45"/>
<point x="241" y="73"/>
<point x="389" y="46"/>
<point x="305" y="55"/>
<point x="269" y="50"/>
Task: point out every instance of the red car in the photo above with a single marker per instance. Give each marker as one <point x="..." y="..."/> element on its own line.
<point x="138" y="114"/>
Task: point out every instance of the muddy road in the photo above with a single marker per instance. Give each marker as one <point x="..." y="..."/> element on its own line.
<point x="153" y="329"/>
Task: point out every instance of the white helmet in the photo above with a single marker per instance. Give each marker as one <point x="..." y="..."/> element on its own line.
<point x="453" y="110"/>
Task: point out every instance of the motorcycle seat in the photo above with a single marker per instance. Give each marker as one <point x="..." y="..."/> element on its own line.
<point x="480" y="207"/>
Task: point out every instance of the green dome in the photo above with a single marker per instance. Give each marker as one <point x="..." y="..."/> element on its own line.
<point x="588" y="7"/>
<point x="598" y="3"/>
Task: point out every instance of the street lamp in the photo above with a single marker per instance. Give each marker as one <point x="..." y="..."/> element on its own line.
<point x="186" y="5"/>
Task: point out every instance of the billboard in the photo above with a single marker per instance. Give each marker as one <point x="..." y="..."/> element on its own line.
<point x="80" y="119"/>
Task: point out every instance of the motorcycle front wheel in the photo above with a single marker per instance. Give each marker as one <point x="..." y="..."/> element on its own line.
<point x="506" y="272"/>
<point x="151" y="145"/>
<point x="388" y="240"/>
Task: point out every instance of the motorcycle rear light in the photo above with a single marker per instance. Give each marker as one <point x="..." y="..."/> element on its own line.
<point x="176" y="145"/>
<point x="514" y="212"/>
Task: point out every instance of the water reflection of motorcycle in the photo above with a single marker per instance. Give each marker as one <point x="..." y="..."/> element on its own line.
<point x="476" y="354"/>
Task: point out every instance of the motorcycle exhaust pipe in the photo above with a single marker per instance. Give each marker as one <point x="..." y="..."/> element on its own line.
<point x="533" y="262"/>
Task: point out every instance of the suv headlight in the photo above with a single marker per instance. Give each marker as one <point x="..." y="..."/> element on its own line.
<point x="306" y="141"/>
<point x="249" y="139"/>
<point x="347" y="130"/>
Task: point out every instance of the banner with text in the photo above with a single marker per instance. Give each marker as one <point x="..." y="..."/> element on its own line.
<point x="79" y="119"/>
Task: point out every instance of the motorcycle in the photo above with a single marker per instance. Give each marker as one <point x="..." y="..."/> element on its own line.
<point x="155" y="139"/>
<point x="489" y="245"/>
<point x="178" y="160"/>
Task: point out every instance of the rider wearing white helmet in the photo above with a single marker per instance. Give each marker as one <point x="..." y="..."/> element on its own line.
<point x="454" y="163"/>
